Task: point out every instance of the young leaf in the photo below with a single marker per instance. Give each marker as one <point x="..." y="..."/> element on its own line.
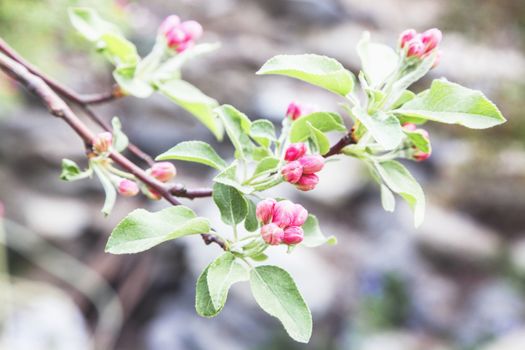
<point x="222" y="274"/>
<point x="322" y="121"/>
<point x="317" y="70"/>
<point x="263" y="132"/>
<point x="88" y="23"/>
<point x="120" y="51"/>
<point x="171" y="68"/>
<point x="266" y="165"/>
<point x="130" y="84"/>
<point x="313" y="236"/>
<point x="452" y="103"/>
<point x="319" y="138"/>
<point x="141" y="230"/>
<point x="251" y="223"/>
<point x="228" y="177"/>
<point x="231" y="204"/>
<point x="120" y="140"/>
<point x="384" y="128"/>
<point x="194" y="101"/>
<point x="276" y="293"/>
<point x="237" y="126"/>
<point x="194" y="151"/>
<point x="203" y="303"/>
<point x="71" y="171"/>
<point x="399" y="180"/>
<point x="378" y="61"/>
<point x="388" y="200"/>
<point x="109" y="189"/>
<point x="418" y="140"/>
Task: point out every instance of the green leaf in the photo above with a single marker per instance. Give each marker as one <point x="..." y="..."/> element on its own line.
<point x="88" y="23"/>
<point x="237" y="126"/>
<point x="276" y="293"/>
<point x="406" y="96"/>
<point x="319" y="138"/>
<point x="375" y="99"/>
<point x="452" y="103"/>
<point x="141" y="230"/>
<point x="231" y="204"/>
<point x="317" y="70"/>
<point x="194" y="151"/>
<point x="418" y="140"/>
<point x="130" y="84"/>
<point x="71" y="171"/>
<point x="399" y="180"/>
<point x="120" y="140"/>
<point x="171" y="68"/>
<point x="388" y="200"/>
<point x="323" y="121"/>
<point x="222" y="274"/>
<point x="255" y="248"/>
<point x="263" y="131"/>
<point x="120" y="51"/>
<point x="229" y="177"/>
<point x="384" y="128"/>
<point x="313" y="236"/>
<point x="251" y="223"/>
<point x="378" y="61"/>
<point x="109" y="188"/>
<point x="260" y="152"/>
<point x="203" y="303"/>
<point x="194" y="101"/>
<point x="266" y="165"/>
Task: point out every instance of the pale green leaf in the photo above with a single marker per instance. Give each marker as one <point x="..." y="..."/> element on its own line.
<point x="317" y="70"/>
<point x="88" y="23"/>
<point x="194" y="151"/>
<point x="384" y="128"/>
<point x="229" y="177"/>
<point x="109" y="189"/>
<point x="120" y="140"/>
<point x="72" y="172"/>
<point x="141" y="230"/>
<point x="378" y="61"/>
<point x="276" y="293"/>
<point x="120" y="51"/>
<point x="203" y="303"/>
<point x="388" y="200"/>
<point x="231" y="204"/>
<point x="263" y="132"/>
<point x="419" y="140"/>
<point x="313" y="236"/>
<point x="237" y="126"/>
<point x="323" y="121"/>
<point x="266" y="165"/>
<point x="171" y="68"/>
<point x="319" y="138"/>
<point x="225" y="271"/>
<point x="251" y="223"/>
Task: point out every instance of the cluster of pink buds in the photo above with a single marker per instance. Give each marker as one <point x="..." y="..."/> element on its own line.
<point x="418" y="154"/>
<point x="296" y="110"/>
<point x="102" y="142"/>
<point x="301" y="168"/>
<point x="180" y="35"/>
<point x="127" y="188"/>
<point x="281" y="221"/>
<point x="420" y="45"/>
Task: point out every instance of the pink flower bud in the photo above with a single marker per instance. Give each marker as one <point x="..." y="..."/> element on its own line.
<point x="410" y="126"/>
<point x="406" y="36"/>
<point x="438" y="59"/>
<point x="163" y="171"/>
<point x="169" y="23"/>
<point x="286" y="213"/>
<point x="307" y="182"/>
<point x="416" y="48"/>
<point x="272" y="234"/>
<point x="295" y="151"/>
<point x="102" y="142"/>
<point x="431" y="39"/>
<point x="264" y="210"/>
<point x="294" y="111"/>
<point x="292" y="171"/>
<point x="293" y="235"/>
<point x="420" y="156"/>
<point x="128" y="188"/>
<point x="312" y="164"/>
<point x="193" y="29"/>
<point x="424" y="133"/>
<point x="181" y="36"/>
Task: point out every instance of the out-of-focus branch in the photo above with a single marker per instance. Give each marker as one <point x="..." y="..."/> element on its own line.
<point x="338" y="147"/>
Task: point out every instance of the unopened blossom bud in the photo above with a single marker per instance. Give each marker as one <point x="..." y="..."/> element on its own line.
<point x="294" y="111"/>
<point x="286" y="213"/>
<point x="180" y="36"/>
<point x="128" y="188"/>
<point x="292" y="171"/>
<point x="307" y="182"/>
<point x="312" y="163"/>
<point x="293" y="235"/>
<point x="192" y="28"/>
<point x="169" y="23"/>
<point x="420" y="155"/>
<point x="264" y="210"/>
<point x="272" y="234"/>
<point x="406" y="36"/>
<point x="410" y="126"/>
<point x="102" y="142"/>
<point x="300" y="214"/>
<point x="416" y="48"/>
<point x="295" y="151"/>
<point x="163" y="171"/>
<point x="431" y="39"/>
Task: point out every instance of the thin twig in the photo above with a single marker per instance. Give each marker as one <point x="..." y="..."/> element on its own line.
<point x="338" y="147"/>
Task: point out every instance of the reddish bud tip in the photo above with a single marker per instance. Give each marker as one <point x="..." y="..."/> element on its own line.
<point x="431" y="39"/>
<point x="292" y="171"/>
<point x="420" y="156"/>
<point x="272" y="234"/>
<point x="406" y="36"/>
<point x="102" y="142"/>
<point x="410" y="126"/>
<point x="180" y="36"/>
<point x="312" y="164"/>
<point x="295" y="151"/>
<point x="264" y="210"/>
<point x="128" y="188"/>
<point x="286" y="213"/>
<point x="416" y="48"/>
<point x="169" y="23"/>
<point x="293" y="235"/>
<point x="307" y="182"/>
<point x="163" y="171"/>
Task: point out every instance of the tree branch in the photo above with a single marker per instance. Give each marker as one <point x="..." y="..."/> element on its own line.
<point x="338" y="147"/>
<point x="60" y="109"/>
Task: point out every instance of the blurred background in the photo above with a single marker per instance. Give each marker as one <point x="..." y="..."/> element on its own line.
<point x="458" y="282"/>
